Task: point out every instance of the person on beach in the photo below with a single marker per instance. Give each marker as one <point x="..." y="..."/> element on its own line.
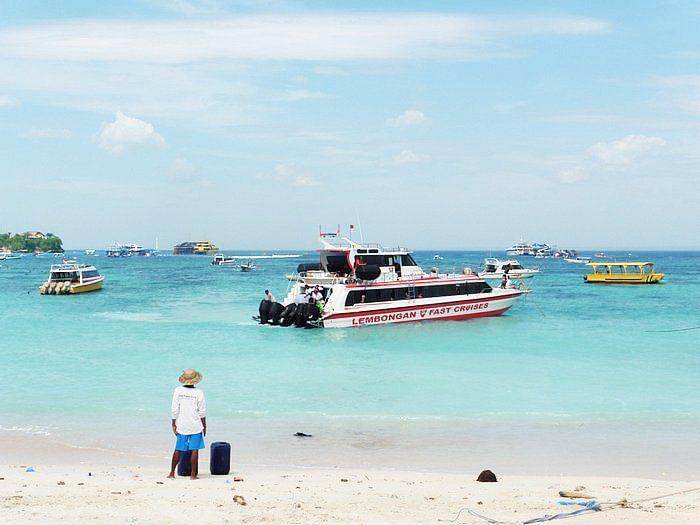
<point x="189" y="422"/>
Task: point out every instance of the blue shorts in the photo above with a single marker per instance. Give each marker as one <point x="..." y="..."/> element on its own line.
<point x="187" y="442"/>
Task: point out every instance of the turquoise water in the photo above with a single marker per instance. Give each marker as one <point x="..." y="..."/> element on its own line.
<point x="569" y="354"/>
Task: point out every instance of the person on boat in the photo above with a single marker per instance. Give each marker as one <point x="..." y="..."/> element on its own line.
<point x="189" y="421"/>
<point x="504" y="280"/>
<point x="301" y="297"/>
<point x="269" y="297"/>
<point x="317" y="294"/>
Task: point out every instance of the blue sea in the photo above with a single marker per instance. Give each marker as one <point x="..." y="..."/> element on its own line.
<point x="604" y="377"/>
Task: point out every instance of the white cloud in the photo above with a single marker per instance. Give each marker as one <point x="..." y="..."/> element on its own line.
<point x="626" y="150"/>
<point x="572" y="174"/>
<point x="408" y="157"/>
<point x="684" y="91"/>
<point x="290" y="174"/>
<point x="181" y="170"/>
<point x="127" y="131"/>
<point x="47" y="133"/>
<point x="410" y="117"/>
<point x="294" y="95"/>
<point x="297" y="36"/>
<point x="8" y="102"/>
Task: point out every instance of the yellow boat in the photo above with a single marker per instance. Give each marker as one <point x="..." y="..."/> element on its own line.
<point x="72" y="279"/>
<point x="623" y="273"/>
<point x="205" y="248"/>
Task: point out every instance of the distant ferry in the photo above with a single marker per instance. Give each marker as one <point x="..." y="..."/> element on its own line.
<point x="520" y="249"/>
<point x="375" y="285"/>
<point x="72" y="279"/>
<point x="195" y="248"/>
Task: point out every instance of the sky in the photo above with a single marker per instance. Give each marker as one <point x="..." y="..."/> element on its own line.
<point x="436" y="125"/>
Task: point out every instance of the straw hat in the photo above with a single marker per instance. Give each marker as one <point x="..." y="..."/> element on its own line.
<point x="190" y="377"/>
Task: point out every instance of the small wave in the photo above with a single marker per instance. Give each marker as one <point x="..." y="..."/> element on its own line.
<point x="39" y="431"/>
<point x="146" y="317"/>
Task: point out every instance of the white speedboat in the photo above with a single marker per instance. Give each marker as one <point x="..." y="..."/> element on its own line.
<point x="223" y="260"/>
<point x="248" y="266"/>
<point x="376" y="285"/>
<point x="90" y="252"/>
<point x="495" y="269"/>
<point x="577" y="260"/>
<point x="72" y="279"/>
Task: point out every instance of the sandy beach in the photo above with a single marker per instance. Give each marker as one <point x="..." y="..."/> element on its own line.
<point x="73" y="485"/>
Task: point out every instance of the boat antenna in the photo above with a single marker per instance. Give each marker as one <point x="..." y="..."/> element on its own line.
<point x="359" y="226"/>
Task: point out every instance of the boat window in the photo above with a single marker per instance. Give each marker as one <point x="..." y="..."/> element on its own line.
<point x="337" y="264"/>
<point x="407" y="260"/>
<point x="648" y="268"/>
<point x="634" y="269"/>
<point x="90" y="273"/>
<point x="617" y="269"/>
<point x="478" y="287"/>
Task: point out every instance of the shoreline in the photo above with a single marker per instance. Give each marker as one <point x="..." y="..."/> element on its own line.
<point x="652" y="451"/>
<point x="101" y="486"/>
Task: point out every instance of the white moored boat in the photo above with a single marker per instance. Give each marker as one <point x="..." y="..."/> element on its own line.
<point x="72" y="279"/>
<point x="495" y="269"/>
<point x="223" y="260"/>
<point x="369" y="285"/>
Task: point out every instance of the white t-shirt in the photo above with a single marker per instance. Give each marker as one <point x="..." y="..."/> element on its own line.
<point x="189" y="407"/>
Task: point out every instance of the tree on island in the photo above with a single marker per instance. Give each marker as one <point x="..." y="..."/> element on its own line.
<point x="30" y="242"/>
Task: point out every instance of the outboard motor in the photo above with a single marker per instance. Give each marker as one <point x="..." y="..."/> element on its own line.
<point x="264" y="311"/>
<point x="275" y="313"/>
<point x="288" y="315"/>
<point x="300" y="317"/>
<point x="368" y="272"/>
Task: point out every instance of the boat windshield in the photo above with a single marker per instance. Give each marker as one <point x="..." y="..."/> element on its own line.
<point x="647" y="268"/>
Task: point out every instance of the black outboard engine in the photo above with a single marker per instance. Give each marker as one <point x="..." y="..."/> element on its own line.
<point x="264" y="311"/>
<point x="300" y="317"/>
<point x="368" y="272"/>
<point x="288" y="315"/>
<point x="275" y="313"/>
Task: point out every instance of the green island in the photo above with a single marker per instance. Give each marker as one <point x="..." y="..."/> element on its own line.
<point x="30" y="242"/>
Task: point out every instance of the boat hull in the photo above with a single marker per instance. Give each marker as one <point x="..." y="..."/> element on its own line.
<point x="87" y="287"/>
<point x="453" y="310"/>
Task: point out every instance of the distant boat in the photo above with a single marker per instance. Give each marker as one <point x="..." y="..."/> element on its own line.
<point x="623" y="273"/>
<point x="69" y="261"/>
<point x="577" y="260"/>
<point x="495" y="269"/>
<point x="248" y="267"/>
<point x="600" y="255"/>
<point x="72" y="279"/>
<point x="90" y="252"/>
<point x="223" y="260"/>
<point x="438" y="257"/>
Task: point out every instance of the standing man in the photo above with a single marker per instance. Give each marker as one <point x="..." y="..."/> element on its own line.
<point x="189" y="410"/>
<point x="269" y="297"/>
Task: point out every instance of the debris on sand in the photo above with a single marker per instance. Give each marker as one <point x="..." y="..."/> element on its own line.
<point x="487" y="476"/>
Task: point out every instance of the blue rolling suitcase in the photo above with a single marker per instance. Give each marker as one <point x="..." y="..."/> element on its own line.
<point x="220" y="458"/>
<point x="184" y="467"/>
